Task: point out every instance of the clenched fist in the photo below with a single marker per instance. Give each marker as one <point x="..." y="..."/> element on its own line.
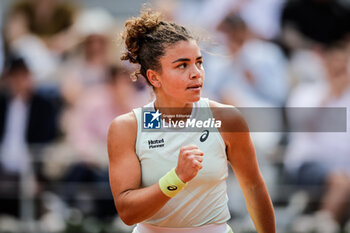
<point x="189" y="162"/>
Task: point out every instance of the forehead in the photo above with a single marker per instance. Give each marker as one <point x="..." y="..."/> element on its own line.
<point x="18" y="72"/>
<point x="182" y="49"/>
<point x="337" y="54"/>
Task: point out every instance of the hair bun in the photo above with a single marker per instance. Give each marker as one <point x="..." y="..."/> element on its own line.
<point x="146" y="39"/>
<point x="135" y="31"/>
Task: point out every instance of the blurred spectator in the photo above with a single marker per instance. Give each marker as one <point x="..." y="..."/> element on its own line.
<point x="306" y="67"/>
<point x="322" y="158"/>
<point x="1" y="54"/>
<point x="256" y="74"/>
<point x="39" y="31"/>
<point x="87" y="89"/>
<point x="261" y="16"/>
<point x="47" y="19"/>
<point x="87" y="133"/>
<point x="307" y="23"/>
<point x="25" y="118"/>
<point x="88" y="68"/>
<point x="253" y="75"/>
<point x="1" y="47"/>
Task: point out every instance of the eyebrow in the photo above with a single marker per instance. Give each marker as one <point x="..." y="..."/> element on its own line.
<point x="186" y="59"/>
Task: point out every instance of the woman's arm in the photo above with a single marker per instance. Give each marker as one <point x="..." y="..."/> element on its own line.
<point x="135" y="204"/>
<point x="241" y="155"/>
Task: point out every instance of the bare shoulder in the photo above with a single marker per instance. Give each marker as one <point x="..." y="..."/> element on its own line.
<point x="126" y="122"/>
<point x="123" y="131"/>
<point x="124" y="167"/>
<point x="231" y="118"/>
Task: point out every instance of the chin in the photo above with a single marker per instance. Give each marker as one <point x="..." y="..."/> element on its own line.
<point x="194" y="99"/>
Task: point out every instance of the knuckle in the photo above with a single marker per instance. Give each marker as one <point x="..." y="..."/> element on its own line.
<point x="199" y="152"/>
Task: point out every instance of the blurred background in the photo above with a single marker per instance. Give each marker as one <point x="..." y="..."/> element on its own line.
<point x="62" y="83"/>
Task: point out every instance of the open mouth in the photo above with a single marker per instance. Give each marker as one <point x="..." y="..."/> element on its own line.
<point x="195" y="87"/>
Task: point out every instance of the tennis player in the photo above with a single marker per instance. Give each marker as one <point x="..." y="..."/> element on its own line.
<point x="176" y="182"/>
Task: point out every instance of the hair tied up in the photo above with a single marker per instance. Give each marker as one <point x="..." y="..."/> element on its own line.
<point x="131" y="58"/>
<point x="135" y="75"/>
<point x="146" y="39"/>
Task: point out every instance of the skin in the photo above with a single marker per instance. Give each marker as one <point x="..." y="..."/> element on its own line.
<point x="20" y="84"/>
<point x="178" y="74"/>
<point x="179" y="85"/>
<point x="242" y="158"/>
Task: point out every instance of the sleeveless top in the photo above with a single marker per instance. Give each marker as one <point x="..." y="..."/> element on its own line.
<point x="204" y="199"/>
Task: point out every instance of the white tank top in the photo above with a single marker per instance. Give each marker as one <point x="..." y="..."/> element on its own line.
<point x="204" y="199"/>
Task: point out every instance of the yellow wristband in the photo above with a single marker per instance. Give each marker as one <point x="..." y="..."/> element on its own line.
<point x="171" y="184"/>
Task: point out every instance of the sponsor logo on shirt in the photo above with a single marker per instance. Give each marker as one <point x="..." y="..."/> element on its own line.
<point x="204" y="136"/>
<point x="155" y="143"/>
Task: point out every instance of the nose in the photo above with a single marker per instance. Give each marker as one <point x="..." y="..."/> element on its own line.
<point x="195" y="72"/>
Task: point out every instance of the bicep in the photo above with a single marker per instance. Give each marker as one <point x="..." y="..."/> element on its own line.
<point x="242" y="158"/>
<point x="124" y="166"/>
<point x="239" y="147"/>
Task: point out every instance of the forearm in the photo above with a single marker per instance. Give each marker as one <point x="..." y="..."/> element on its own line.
<point x="137" y="205"/>
<point x="260" y="208"/>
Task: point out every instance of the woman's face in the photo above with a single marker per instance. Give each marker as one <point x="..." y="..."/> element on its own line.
<point x="182" y="75"/>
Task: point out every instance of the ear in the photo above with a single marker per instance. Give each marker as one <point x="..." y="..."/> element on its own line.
<point x="153" y="78"/>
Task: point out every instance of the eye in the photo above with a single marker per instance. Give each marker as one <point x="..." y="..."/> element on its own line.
<point x="199" y="63"/>
<point x="182" y="66"/>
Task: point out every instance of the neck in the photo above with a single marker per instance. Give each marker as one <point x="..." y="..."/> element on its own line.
<point x="339" y="85"/>
<point x="173" y="107"/>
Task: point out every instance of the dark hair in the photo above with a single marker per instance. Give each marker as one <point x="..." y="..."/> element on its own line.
<point x="146" y="38"/>
<point x="15" y="64"/>
<point x="116" y="72"/>
<point x="231" y="23"/>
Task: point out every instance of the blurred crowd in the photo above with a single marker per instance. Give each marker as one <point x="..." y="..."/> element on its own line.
<point x="62" y="83"/>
